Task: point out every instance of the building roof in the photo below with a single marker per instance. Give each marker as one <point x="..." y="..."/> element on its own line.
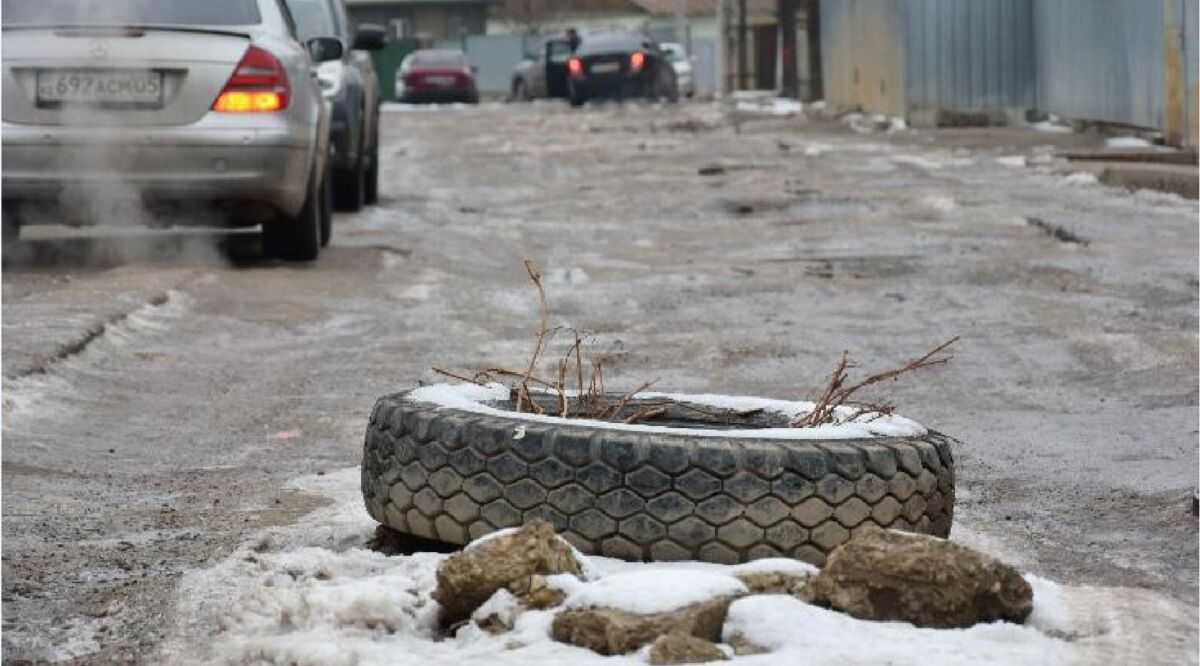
<point x="704" y="7"/>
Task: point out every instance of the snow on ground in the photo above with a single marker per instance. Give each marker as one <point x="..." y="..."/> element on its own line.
<point x="1052" y="126"/>
<point x="1011" y="160"/>
<point x="1127" y="142"/>
<point x="770" y="106"/>
<point x="471" y="398"/>
<point x="310" y="594"/>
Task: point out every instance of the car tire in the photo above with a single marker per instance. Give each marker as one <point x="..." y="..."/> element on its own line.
<point x="350" y="186"/>
<point x="372" y="183"/>
<point x="326" y="209"/>
<point x="454" y="475"/>
<point x="297" y="238"/>
<point x="10" y="225"/>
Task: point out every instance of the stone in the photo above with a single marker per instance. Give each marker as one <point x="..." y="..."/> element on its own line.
<point x="611" y="631"/>
<point x="535" y="593"/>
<point x="498" y="614"/>
<point x="743" y="647"/>
<point x="677" y="648"/>
<point x="893" y="576"/>
<point x="469" y="578"/>
<point x="774" y="582"/>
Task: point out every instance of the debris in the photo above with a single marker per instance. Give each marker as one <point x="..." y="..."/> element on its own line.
<point x="612" y="631"/>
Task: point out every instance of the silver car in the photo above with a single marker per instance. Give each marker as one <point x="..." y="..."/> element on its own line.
<point x="682" y="62"/>
<point x="175" y="105"/>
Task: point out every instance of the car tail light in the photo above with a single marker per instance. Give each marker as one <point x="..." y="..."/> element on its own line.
<point x="258" y="84"/>
<point x="637" y="59"/>
<point x="575" y="66"/>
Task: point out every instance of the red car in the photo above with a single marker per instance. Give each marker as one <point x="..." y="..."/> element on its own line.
<point x="436" y="75"/>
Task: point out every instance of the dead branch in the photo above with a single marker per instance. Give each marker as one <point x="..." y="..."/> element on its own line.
<point x="837" y="393"/>
<point x="458" y="377"/>
<point x="540" y="339"/>
<point x="646" y="414"/>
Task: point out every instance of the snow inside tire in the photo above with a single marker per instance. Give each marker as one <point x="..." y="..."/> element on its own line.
<point x="453" y="474"/>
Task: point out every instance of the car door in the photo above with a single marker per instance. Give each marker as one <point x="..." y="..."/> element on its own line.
<point x="556" y="54"/>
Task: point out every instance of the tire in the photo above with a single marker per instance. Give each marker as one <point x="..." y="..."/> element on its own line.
<point x="326" y="209"/>
<point x="10" y="227"/>
<point x="350" y="185"/>
<point x="453" y="476"/>
<point x="298" y="238"/>
<point x="371" y="195"/>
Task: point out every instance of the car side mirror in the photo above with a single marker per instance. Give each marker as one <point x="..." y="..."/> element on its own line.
<point x="370" y="37"/>
<point x="324" y="49"/>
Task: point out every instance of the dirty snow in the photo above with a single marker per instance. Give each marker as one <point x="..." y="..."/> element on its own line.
<point x="470" y="397"/>
<point x="771" y="106"/>
<point x="1082" y="178"/>
<point x="310" y="594"/>
<point x="1012" y="160"/>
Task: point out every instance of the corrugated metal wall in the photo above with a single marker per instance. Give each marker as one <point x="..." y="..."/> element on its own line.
<point x="1102" y="59"/>
<point x="1191" y="32"/>
<point x="969" y="55"/>
<point x="862" y="49"/>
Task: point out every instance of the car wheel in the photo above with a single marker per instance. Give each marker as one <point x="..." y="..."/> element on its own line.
<point x="372" y="185"/>
<point x="349" y="186"/>
<point x="297" y="238"/>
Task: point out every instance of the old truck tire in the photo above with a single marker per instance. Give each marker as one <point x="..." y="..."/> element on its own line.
<point x="453" y="475"/>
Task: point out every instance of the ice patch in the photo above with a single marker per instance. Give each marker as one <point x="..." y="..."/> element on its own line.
<point x="470" y="398"/>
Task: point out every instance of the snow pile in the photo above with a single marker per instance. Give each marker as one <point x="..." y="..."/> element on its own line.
<point x="1127" y="142"/>
<point x="771" y="106"/>
<point x="310" y="594"/>
<point x="798" y="633"/>
<point x="471" y="398"/>
<point x="654" y="590"/>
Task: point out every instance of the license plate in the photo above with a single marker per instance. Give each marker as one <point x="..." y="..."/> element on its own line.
<point x="440" y="80"/>
<point x="135" y="87"/>
<point x="606" y="67"/>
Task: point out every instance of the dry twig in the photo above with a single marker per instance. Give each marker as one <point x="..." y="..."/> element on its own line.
<point x="837" y="393"/>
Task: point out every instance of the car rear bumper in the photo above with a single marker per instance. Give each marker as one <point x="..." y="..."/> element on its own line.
<point x="438" y="94"/>
<point x="616" y="85"/>
<point x="212" y="161"/>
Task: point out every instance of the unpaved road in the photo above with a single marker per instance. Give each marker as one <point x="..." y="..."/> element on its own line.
<point x="157" y="396"/>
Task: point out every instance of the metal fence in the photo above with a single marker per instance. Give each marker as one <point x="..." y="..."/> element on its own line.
<point x="1118" y="61"/>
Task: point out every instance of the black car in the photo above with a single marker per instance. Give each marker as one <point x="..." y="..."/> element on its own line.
<point x="620" y="65"/>
<point x="351" y="85"/>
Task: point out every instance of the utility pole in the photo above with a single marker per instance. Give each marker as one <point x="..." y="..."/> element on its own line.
<point x="787" y="25"/>
<point x="742" y="47"/>
<point x="722" y="48"/>
<point x="812" y="25"/>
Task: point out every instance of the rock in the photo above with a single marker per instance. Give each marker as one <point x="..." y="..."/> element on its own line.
<point x="534" y="592"/>
<point x="613" y="631"/>
<point x="467" y="579"/>
<point x="499" y="613"/>
<point x="774" y="582"/>
<point x="743" y="647"/>
<point x="676" y="648"/>
<point x="930" y="582"/>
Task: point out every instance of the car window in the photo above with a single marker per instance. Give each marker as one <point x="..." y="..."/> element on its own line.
<point x="439" y="59"/>
<point x="129" y="12"/>
<point x="612" y="43"/>
<point x="314" y="18"/>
